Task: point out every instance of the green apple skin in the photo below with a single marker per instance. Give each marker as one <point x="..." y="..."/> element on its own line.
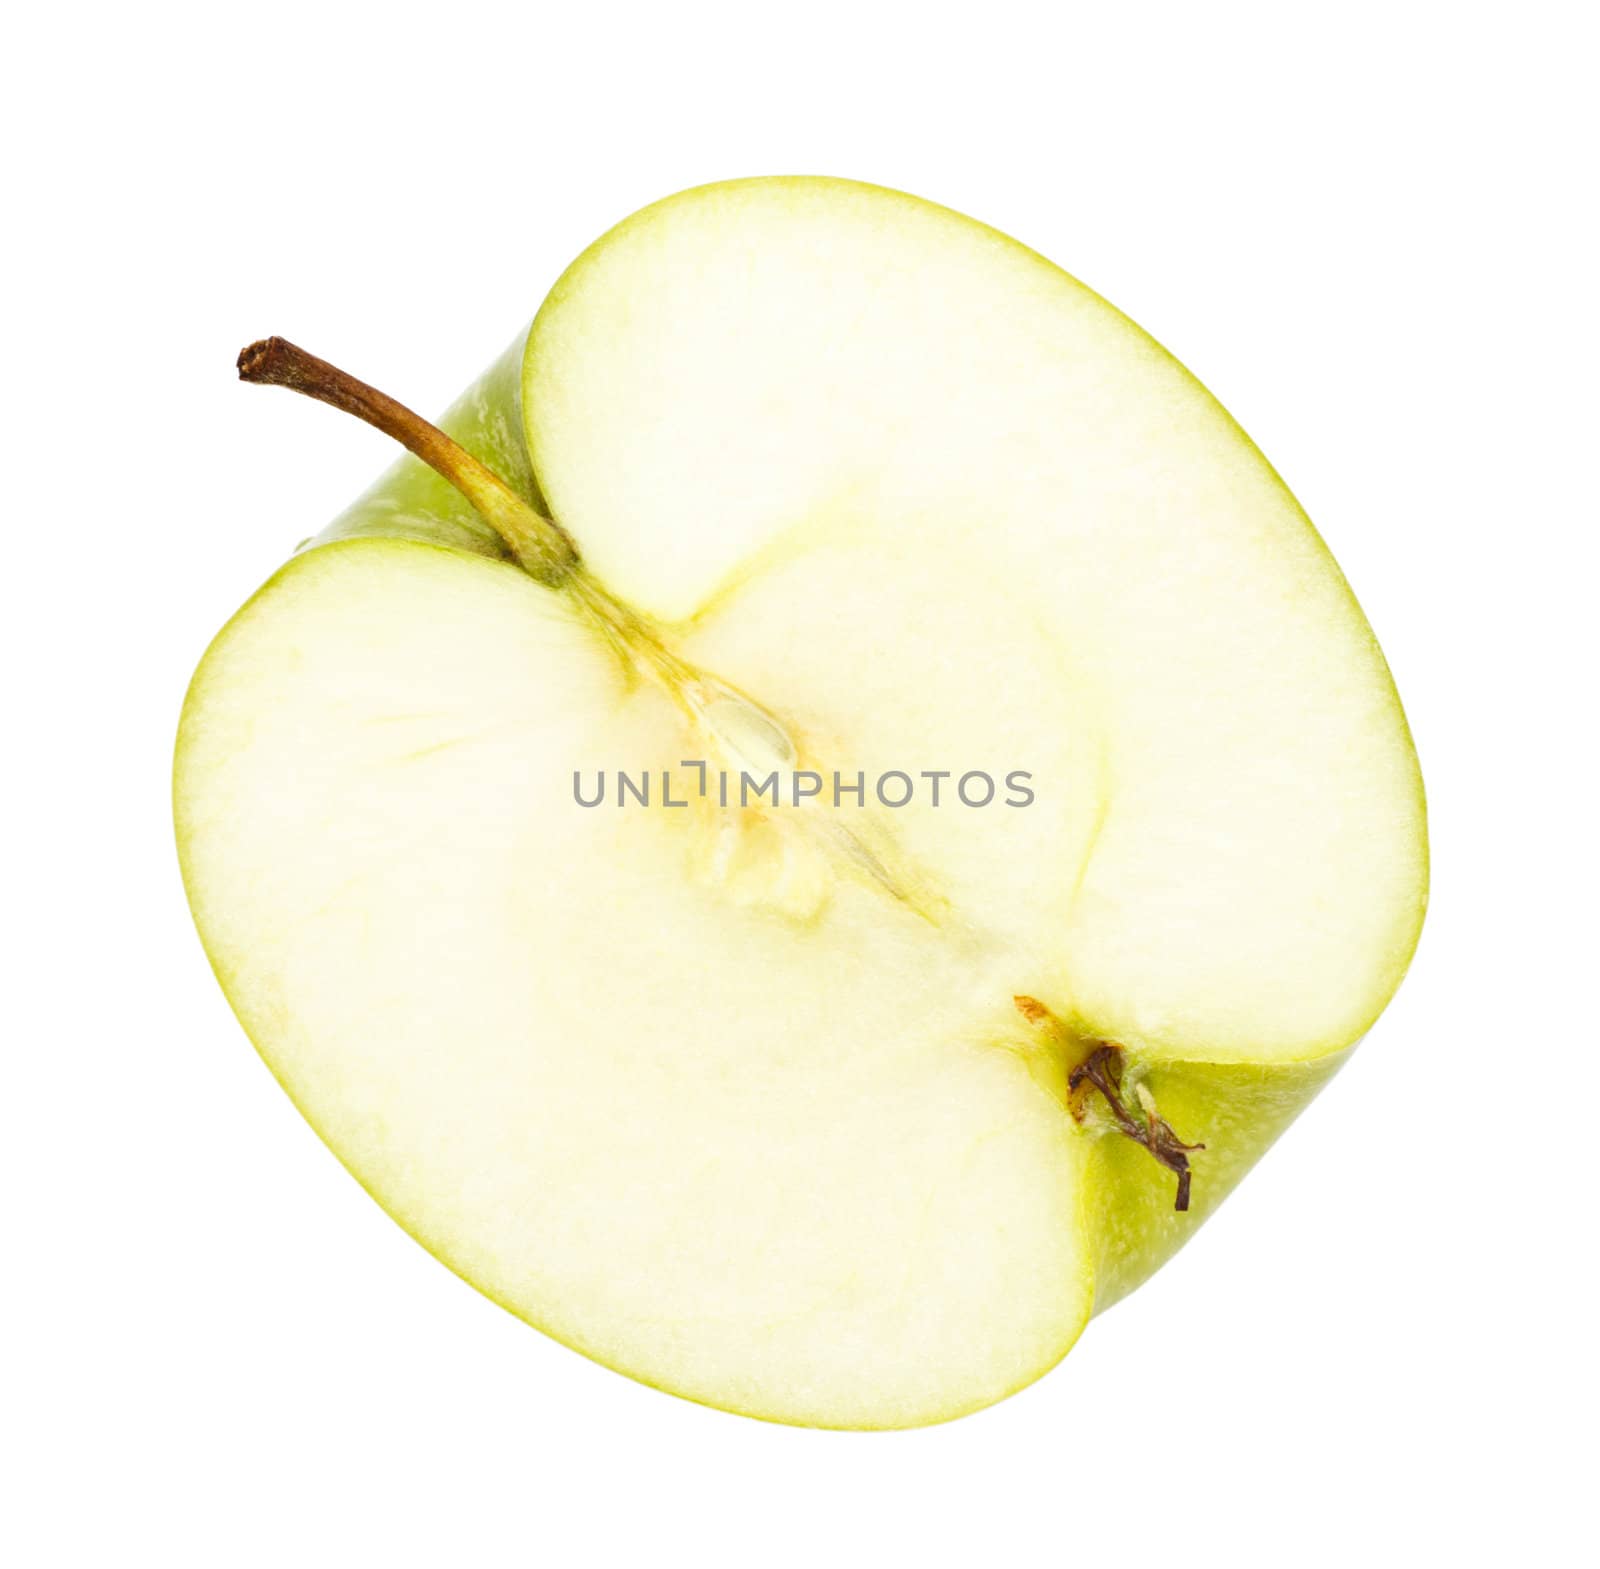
<point x="1235" y="1109"/>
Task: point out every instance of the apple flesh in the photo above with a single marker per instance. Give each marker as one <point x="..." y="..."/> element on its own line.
<point x="785" y="1110"/>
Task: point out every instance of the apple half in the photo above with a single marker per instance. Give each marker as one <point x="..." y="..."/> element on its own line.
<point x="831" y="1112"/>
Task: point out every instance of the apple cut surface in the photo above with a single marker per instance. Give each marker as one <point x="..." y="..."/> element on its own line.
<point x="690" y="1089"/>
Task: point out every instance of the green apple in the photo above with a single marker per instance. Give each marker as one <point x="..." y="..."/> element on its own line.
<point x="829" y="1110"/>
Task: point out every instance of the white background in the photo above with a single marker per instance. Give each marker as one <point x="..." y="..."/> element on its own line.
<point x="1364" y="228"/>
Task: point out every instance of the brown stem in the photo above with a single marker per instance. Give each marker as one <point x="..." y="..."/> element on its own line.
<point x="540" y="545"/>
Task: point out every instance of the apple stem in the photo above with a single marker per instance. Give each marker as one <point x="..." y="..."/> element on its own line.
<point x="539" y="544"/>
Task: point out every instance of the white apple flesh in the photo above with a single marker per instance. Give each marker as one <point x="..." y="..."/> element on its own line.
<point x="742" y="1102"/>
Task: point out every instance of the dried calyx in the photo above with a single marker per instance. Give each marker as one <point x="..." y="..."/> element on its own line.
<point x="1102" y="1070"/>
